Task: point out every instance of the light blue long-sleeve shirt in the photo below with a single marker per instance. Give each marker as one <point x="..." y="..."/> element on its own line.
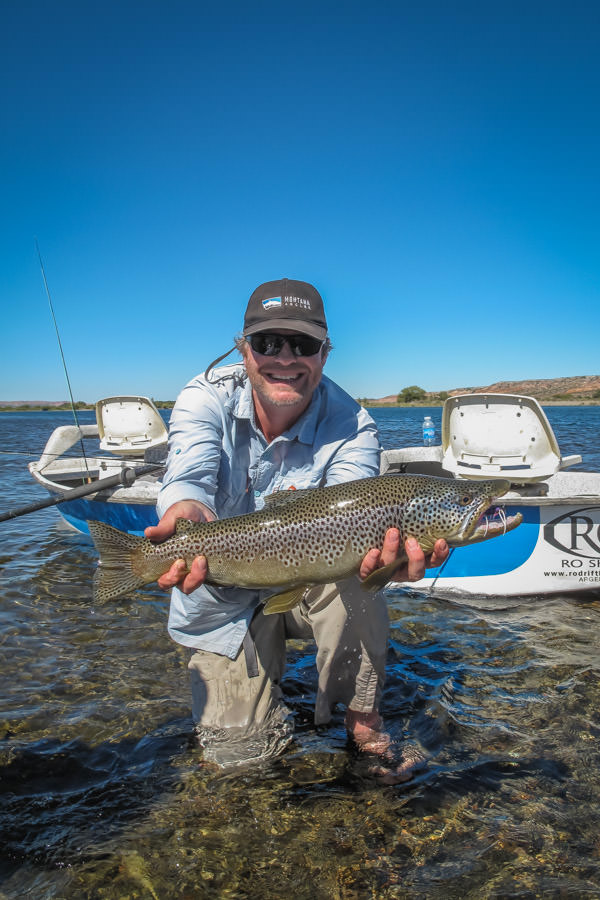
<point x="219" y="456"/>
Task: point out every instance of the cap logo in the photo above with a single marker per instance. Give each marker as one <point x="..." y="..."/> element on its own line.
<point x="297" y="301"/>
<point x="271" y="302"/>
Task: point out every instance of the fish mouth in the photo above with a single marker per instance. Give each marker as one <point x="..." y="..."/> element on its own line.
<point x="493" y="522"/>
<point x="489" y="520"/>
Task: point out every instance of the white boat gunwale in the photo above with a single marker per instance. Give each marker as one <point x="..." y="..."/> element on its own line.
<point x="561" y="509"/>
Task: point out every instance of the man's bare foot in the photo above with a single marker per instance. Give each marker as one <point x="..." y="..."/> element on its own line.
<point x="367" y="731"/>
<point x="394" y="763"/>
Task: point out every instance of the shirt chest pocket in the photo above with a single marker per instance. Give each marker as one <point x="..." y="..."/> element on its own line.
<point x="298" y="469"/>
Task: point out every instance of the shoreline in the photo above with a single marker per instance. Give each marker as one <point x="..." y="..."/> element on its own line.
<point x="371" y="404"/>
<point x="86" y="408"/>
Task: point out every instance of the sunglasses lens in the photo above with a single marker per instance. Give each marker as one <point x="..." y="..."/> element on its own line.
<point x="302" y="345"/>
<point x="266" y="344"/>
<point x="271" y="344"/>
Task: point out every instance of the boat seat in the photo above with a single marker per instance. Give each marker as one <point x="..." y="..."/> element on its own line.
<point x="128" y="426"/>
<point x="499" y="436"/>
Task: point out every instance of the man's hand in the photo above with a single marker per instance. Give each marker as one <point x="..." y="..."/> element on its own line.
<point x="414" y="569"/>
<point x="178" y="574"/>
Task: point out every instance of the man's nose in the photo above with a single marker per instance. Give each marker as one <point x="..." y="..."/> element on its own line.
<point x="286" y="355"/>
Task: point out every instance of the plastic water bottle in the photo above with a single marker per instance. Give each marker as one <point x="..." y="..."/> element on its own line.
<point x="428" y="431"/>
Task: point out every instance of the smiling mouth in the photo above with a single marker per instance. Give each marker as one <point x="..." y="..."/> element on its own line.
<point x="285" y="379"/>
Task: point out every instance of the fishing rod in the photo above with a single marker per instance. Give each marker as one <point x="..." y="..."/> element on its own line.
<point x="126" y="477"/>
<point x="32" y="453"/>
<point x="61" y="354"/>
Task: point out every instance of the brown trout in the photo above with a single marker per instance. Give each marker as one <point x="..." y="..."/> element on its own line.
<point x="307" y="537"/>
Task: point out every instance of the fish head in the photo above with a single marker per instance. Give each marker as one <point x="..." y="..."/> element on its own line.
<point x="458" y="511"/>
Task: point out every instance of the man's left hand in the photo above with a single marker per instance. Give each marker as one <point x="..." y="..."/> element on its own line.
<point x="414" y="568"/>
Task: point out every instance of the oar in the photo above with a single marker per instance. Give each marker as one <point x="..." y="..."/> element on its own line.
<point x="125" y="477"/>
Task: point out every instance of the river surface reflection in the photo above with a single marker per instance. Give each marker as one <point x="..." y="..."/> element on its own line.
<point x="104" y="796"/>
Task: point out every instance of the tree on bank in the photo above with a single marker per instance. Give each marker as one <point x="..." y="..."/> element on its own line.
<point x="411" y="394"/>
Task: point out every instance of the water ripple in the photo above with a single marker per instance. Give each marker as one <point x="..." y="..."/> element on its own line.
<point x="104" y="795"/>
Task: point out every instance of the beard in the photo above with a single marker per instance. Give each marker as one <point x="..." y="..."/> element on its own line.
<point x="265" y="390"/>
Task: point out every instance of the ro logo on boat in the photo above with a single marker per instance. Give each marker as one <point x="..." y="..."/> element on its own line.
<point x="579" y="534"/>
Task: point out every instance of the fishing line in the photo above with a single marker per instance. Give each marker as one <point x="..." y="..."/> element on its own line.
<point x="32" y="454"/>
<point x="441" y="569"/>
<point x="500" y="513"/>
<point x="61" y="353"/>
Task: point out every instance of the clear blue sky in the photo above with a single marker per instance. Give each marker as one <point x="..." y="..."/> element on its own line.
<point x="432" y="168"/>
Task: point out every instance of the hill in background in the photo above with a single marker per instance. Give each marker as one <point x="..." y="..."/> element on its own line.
<point x="48" y="404"/>
<point x="576" y="389"/>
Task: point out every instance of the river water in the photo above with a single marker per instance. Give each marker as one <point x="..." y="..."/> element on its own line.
<point x="104" y="796"/>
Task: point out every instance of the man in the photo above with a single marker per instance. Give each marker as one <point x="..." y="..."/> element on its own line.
<point x="275" y="422"/>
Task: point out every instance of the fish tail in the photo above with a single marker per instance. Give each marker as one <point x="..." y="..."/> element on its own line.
<point x="115" y="576"/>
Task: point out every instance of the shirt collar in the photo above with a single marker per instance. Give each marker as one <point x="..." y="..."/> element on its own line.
<point x="305" y="428"/>
<point x="242" y="406"/>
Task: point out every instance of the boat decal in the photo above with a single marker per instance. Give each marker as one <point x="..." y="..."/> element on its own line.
<point x="579" y="530"/>
<point x="576" y="535"/>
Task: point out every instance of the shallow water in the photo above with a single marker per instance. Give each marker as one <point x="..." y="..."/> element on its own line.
<point x="104" y="796"/>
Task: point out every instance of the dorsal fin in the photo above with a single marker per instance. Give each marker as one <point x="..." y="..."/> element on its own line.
<point x="287" y="496"/>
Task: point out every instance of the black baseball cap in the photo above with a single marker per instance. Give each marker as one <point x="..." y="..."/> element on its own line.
<point x="292" y="305"/>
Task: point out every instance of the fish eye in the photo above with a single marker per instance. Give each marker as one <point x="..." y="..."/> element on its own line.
<point x="464" y="500"/>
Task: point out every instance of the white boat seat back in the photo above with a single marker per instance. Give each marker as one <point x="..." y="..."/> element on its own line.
<point x="498" y="436"/>
<point x="128" y="426"/>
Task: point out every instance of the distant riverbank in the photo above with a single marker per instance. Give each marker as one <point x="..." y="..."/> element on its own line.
<point x="573" y="390"/>
<point x="66" y="407"/>
<point x="368" y="404"/>
<point x="374" y="404"/>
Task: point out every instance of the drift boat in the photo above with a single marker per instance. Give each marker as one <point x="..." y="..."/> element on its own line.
<point x="127" y="444"/>
<point x="555" y="549"/>
<point x="557" y="546"/>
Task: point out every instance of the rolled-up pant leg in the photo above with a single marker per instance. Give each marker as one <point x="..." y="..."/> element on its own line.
<point x="350" y="627"/>
<point x="236" y="703"/>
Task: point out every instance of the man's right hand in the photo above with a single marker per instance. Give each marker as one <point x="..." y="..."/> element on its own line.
<point x="186" y="580"/>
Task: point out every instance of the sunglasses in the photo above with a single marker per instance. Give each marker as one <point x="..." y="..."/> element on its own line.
<point x="268" y="344"/>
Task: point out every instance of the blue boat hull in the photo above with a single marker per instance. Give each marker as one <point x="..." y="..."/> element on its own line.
<point x="498" y="556"/>
<point x="130" y="517"/>
<point x="555" y="549"/>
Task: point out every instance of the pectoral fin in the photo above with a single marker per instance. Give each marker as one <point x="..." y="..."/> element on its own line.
<point x="380" y="577"/>
<point x="285" y="601"/>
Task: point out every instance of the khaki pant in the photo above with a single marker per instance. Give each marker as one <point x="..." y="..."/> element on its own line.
<point x="237" y="704"/>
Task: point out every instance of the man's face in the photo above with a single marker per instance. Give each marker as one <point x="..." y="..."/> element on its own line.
<point x="285" y="379"/>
